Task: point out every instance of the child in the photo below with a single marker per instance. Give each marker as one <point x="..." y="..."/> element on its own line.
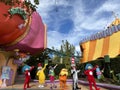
<point x="41" y="75"/>
<point x="52" y="75"/>
<point x="89" y="72"/>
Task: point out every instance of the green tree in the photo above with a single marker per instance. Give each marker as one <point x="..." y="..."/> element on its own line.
<point x="68" y="50"/>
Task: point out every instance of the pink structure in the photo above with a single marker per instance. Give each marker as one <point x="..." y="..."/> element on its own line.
<point x="21" y="28"/>
<point x="35" y="39"/>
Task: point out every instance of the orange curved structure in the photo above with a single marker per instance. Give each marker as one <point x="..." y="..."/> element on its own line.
<point x="103" y="43"/>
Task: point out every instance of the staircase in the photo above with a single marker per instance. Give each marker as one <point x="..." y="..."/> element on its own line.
<point x="20" y="79"/>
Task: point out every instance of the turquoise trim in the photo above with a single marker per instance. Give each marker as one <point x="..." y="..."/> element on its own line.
<point x="19" y="11"/>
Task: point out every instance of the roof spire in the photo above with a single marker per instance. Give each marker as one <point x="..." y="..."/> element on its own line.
<point x="117" y="20"/>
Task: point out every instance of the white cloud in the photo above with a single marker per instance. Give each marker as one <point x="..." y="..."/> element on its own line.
<point x="93" y="24"/>
<point x="81" y="20"/>
<point x="110" y="5"/>
<point x="78" y="48"/>
<point x="54" y="39"/>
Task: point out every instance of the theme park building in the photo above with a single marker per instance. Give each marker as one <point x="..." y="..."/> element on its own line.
<point x="22" y="32"/>
<point x="103" y="43"/>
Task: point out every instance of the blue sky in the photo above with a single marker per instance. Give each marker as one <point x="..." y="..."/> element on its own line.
<point x="73" y="20"/>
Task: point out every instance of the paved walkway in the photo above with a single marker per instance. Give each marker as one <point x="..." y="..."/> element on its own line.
<point x="34" y="86"/>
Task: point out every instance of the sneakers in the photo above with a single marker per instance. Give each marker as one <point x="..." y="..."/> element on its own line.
<point x="41" y="86"/>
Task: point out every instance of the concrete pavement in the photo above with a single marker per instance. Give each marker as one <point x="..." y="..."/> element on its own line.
<point x="34" y="86"/>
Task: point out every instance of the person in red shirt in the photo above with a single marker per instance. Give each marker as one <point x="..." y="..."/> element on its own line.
<point x="27" y="77"/>
<point x="89" y="73"/>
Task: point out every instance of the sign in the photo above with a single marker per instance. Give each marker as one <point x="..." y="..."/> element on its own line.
<point x="46" y="62"/>
<point x="107" y="59"/>
<point x="5" y="72"/>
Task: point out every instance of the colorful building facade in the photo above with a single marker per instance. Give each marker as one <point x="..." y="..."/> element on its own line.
<point x="103" y="43"/>
<point x="21" y="30"/>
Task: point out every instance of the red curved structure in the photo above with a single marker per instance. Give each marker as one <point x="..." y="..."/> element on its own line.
<point x="22" y="29"/>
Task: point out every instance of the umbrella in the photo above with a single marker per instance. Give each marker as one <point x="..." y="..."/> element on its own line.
<point x="26" y="66"/>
